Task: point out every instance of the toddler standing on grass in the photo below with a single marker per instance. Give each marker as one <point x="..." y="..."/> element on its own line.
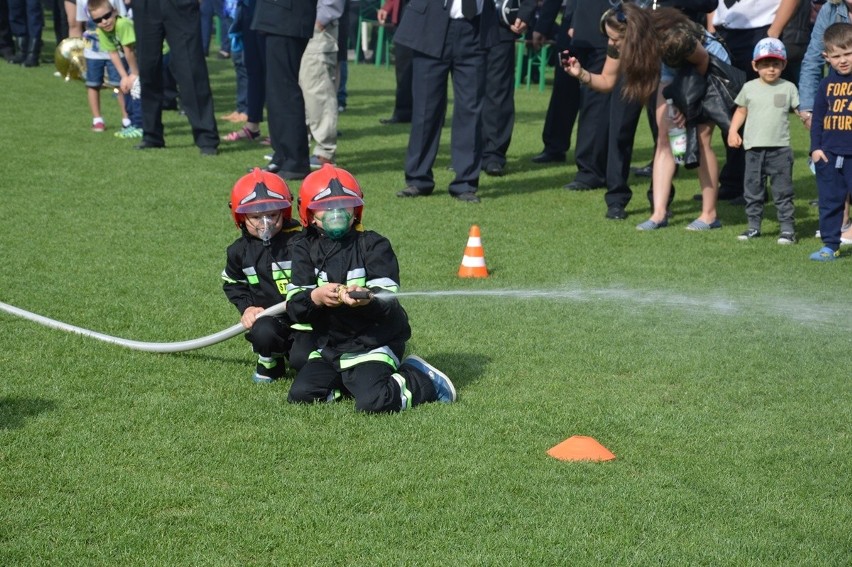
<point x="831" y="139"/>
<point x="764" y="104"/>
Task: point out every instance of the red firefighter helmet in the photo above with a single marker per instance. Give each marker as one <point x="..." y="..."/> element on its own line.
<point x="260" y="192"/>
<point x="329" y="188"/>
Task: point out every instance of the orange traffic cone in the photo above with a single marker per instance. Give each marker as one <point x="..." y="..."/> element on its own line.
<point x="580" y="448"/>
<point x="473" y="261"/>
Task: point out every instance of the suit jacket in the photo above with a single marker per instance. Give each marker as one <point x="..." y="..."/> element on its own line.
<point x="425" y="22"/>
<point x="291" y="18"/>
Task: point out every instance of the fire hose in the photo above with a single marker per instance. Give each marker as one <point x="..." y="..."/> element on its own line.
<point x="180" y="346"/>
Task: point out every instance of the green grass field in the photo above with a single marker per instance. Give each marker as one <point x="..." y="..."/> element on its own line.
<point x="715" y="370"/>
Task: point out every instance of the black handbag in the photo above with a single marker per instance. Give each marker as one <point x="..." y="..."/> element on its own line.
<point x="705" y="98"/>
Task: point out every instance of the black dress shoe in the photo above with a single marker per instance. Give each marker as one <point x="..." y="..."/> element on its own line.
<point x="578" y="186"/>
<point x="391" y="120"/>
<point x="292" y="175"/>
<point x="644" y="171"/>
<point x="616" y="212"/>
<point x="494" y="169"/>
<point x="548" y="157"/>
<point x="209" y="151"/>
<point x="148" y="146"/>
<point x="270" y="167"/>
<point x="467" y="197"/>
<point x="412" y="191"/>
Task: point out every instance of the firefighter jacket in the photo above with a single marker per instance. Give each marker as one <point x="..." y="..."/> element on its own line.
<point x="258" y="274"/>
<point x="349" y="335"/>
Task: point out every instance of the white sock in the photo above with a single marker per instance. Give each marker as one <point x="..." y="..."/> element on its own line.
<point x="125" y="122"/>
<point x="97" y="120"/>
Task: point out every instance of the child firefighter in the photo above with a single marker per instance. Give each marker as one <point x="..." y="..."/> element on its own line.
<point x="343" y="285"/>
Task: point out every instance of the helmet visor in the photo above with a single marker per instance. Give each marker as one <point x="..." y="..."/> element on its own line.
<point x="262" y="206"/>
<point x="336" y="202"/>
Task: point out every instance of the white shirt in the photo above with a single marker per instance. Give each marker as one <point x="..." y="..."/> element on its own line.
<point x="746" y="14"/>
<point x="456" y="11"/>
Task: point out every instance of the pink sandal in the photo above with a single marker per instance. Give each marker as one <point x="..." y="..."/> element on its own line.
<point x="242" y="134"/>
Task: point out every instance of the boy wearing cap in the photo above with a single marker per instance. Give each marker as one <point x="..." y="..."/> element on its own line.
<point x="763" y="105"/>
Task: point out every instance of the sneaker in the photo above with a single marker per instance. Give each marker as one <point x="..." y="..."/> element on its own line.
<point x="319" y="161"/>
<point x="98" y="126"/>
<point x="825" y="254"/>
<point x="750" y="233"/>
<point x="786" y="238"/>
<point x="268" y="370"/>
<point x="129" y="132"/>
<point x="443" y="387"/>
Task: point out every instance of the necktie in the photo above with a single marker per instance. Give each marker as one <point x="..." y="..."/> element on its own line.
<point x="468" y="9"/>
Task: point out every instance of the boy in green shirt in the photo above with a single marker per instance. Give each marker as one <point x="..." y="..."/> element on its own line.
<point x="117" y="34"/>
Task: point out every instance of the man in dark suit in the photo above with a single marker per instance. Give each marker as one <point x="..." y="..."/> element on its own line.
<point x="288" y="25"/>
<point x="565" y="96"/>
<point x="447" y="36"/>
<point x="498" y="107"/>
<point x="390" y="14"/>
<point x="156" y="21"/>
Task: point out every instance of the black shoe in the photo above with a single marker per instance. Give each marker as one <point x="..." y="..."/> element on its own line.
<point x="148" y="146"/>
<point x="292" y="175"/>
<point x="645" y="171"/>
<point x="209" y="151"/>
<point x="171" y="105"/>
<point x="616" y="212"/>
<point x="393" y="120"/>
<point x="738" y="201"/>
<point x="548" y="157"/>
<point x="270" y="167"/>
<point x="494" y="169"/>
<point x="412" y="191"/>
<point x="578" y="186"/>
<point x="467" y="197"/>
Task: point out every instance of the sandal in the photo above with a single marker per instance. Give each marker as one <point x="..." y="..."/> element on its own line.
<point x="242" y="134"/>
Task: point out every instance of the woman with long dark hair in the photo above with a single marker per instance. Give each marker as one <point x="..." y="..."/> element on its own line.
<point x="647" y="47"/>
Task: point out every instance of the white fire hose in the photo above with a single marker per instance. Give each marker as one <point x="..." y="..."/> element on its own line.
<point x="139" y="345"/>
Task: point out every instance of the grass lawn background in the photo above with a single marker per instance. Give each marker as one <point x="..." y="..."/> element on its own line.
<point x="716" y="370"/>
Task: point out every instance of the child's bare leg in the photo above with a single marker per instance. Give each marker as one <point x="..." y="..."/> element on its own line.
<point x="94" y="96"/>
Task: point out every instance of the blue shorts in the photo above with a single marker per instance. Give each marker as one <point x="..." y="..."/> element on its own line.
<point x="95" y="73"/>
<point x="711" y="44"/>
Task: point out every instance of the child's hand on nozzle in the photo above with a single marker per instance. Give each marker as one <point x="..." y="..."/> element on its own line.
<point x="356" y="296"/>
<point x="328" y="295"/>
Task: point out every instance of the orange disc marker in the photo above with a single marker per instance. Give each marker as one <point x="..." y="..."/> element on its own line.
<point x="580" y="448"/>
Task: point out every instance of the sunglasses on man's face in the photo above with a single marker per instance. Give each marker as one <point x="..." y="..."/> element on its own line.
<point x="103" y="18"/>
